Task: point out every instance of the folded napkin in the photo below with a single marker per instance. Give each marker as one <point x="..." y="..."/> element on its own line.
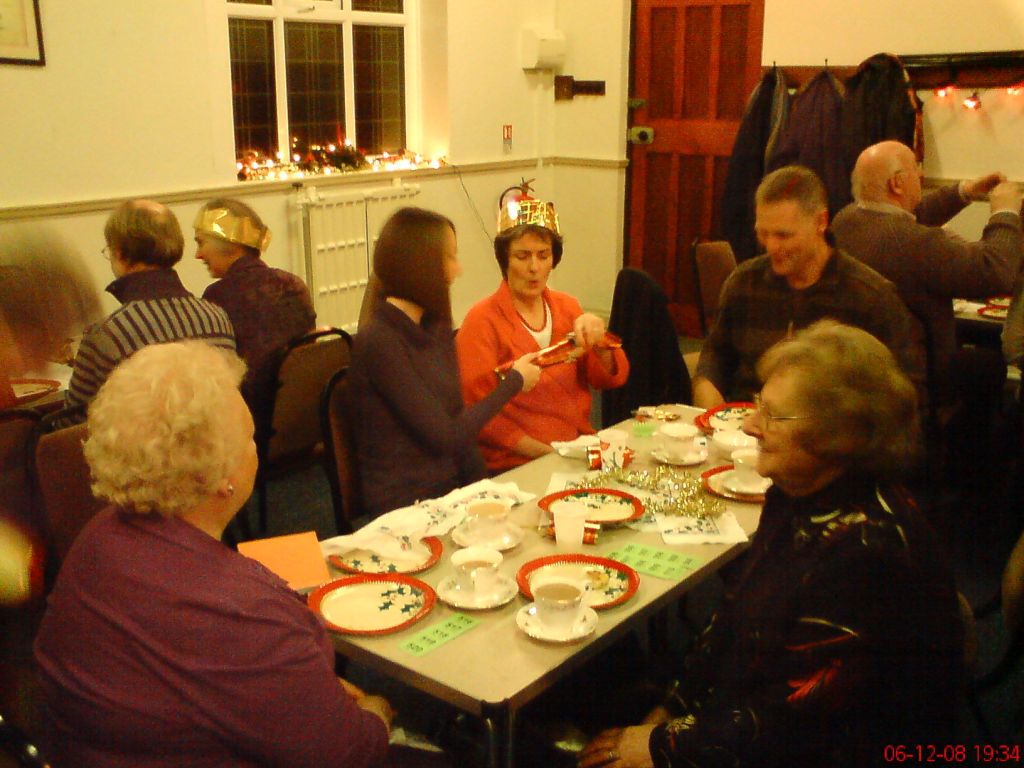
<point x="397" y="535"/>
<point x="575" y="449"/>
<point x="723" y="529"/>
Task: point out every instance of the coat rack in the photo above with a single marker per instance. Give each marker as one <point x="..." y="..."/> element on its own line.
<point x="993" y="69"/>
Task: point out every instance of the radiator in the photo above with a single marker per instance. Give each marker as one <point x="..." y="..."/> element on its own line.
<point x="338" y="233"/>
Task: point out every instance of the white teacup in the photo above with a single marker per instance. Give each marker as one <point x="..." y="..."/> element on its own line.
<point x="678" y="441"/>
<point x="476" y="569"/>
<point x="745" y="465"/>
<point x="486" y="518"/>
<point x="725" y="441"/>
<point x="569" y="518"/>
<point x="559" y="602"/>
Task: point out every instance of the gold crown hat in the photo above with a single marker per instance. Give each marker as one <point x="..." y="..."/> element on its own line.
<point x="222" y="223"/>
<point x="514" y="211"/>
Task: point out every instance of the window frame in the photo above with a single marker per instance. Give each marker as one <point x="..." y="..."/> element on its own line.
<point x="337" y="12"/>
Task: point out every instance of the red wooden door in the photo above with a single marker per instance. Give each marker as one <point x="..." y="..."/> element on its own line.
<point x="694" y="63"/>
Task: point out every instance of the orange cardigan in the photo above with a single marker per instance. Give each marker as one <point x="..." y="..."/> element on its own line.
<point x="558" y="408"/>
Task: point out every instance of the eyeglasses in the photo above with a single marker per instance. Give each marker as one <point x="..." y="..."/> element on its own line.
<point x="768" y="418"/>
<point x="105" y="250"/>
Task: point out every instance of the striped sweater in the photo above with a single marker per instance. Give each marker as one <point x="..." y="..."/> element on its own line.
<point x="155" y="309"/>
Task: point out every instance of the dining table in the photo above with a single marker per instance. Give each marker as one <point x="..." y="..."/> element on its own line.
<point x="493" y="669"/>
<point x="980" y="322"/>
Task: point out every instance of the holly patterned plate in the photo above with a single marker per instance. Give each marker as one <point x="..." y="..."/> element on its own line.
<point x="724" y="416"/>
<point x="606" y="505"/>
<point x="609" y="582"/>
<point x="365" y="561"/>
<point x="372" y="604"/>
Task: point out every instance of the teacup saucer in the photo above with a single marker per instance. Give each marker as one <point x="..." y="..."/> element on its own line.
<point x="509" y="538"/>
<point x="527" y="621"/>
<point x="448" y="591"/>
<point x="689" y="460"/>
<point x="732" y="482"/>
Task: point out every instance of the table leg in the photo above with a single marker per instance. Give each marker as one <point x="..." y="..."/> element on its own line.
<point x="500" y="724"/>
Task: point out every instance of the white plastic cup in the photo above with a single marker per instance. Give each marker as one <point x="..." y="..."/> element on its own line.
<point x="559" y="602"/>
<point x="476" y="569"/>
<point x="486" y="518"/>
<point x="570" y="518"/>
<point x="745" y="465"/>
<point x="677" y="441"/>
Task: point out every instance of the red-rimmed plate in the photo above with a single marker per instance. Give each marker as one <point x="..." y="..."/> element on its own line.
<point x="724" y="416"/>
<point x="372" y="604"/>
<point x="609" y="581"/>
<point x="26" y="390"/>
<point x="994" y="313"/>
<point x="714" y="483"/>
<point x="606" y="505"/>
<point x="999" y="301"/>
<point x="365" y="561"/>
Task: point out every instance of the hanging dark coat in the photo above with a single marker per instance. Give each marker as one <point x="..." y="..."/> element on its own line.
<point x="813" y="138"/>
<point x="657" y="373"/>
<point x="763" y="120"/>
<point x="880" y="104"/>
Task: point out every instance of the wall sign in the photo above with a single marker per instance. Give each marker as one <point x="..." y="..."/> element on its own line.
<point x="21" y="33"/>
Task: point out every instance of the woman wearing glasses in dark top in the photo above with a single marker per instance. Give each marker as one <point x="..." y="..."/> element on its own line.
<point x="840" y="633"/>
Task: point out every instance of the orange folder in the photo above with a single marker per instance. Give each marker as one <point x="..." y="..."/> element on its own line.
<point x="296" y="558"/>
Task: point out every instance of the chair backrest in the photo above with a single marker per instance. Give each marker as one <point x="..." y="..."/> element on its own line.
<point x="64" y="485"/>
<point x="17" y="428"/>
<point x="340" y="460"/>
<point x="305" y="368"/>
<point x="713" y="262"/>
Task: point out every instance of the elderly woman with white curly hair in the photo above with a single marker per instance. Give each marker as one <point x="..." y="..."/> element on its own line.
<point x="160" y="645"/>
<point x="840" y="635"/>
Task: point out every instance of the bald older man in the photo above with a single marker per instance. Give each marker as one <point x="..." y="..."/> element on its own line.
<point x="144" y="242"/>
<point x="895" y="229"/>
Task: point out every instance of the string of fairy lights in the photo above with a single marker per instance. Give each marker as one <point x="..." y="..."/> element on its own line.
<point x="306" y="160"/>
<point x="972" y="98"/>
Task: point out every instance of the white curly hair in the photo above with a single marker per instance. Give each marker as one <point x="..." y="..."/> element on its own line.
<point x="163" y="431"/>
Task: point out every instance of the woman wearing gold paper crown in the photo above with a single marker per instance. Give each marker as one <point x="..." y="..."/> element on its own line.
<point x="268" y="307"/>
<point x="524" y="315"/>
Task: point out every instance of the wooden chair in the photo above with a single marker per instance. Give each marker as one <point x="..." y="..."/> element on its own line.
<point x="17" y="428"/>
<point x="63" y="483"/>
<point x="290" y="437"/>
<point x="340" y="451"/>
<point x="713" y="262"/>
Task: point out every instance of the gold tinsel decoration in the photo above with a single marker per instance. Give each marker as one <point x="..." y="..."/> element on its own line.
<point x="678" y="494"/>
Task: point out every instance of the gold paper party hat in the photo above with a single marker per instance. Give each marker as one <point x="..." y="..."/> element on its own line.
<point x="222" y="223"/>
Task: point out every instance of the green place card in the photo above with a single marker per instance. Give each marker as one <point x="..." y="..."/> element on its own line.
<point x="439" y="634"/>
<point x="652" y="561"/>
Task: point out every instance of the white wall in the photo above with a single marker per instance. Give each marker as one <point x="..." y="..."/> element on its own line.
<point x="123" y="105"/>
<point x="959" y="143"/>
<point x="135" y="100"/>
<point x="797" y="32"/>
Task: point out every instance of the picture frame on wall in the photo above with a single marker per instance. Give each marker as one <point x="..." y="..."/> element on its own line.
<point x="21" y="33"/>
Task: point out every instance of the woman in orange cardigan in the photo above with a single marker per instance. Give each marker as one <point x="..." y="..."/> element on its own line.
<point x="524" y="315"/>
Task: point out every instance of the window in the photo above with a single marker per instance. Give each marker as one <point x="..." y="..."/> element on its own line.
<point x="318" y="73"/>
